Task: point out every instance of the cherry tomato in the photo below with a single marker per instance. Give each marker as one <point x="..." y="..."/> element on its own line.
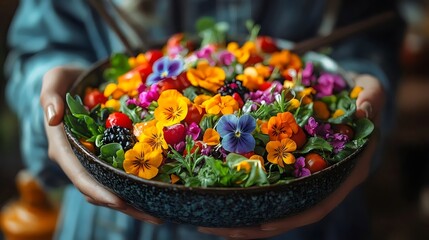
<point x="266" y="44"/>
<point x="314" y="162"/>
<point x="179" y="83"/>
<point x="174" y="134"/>
<point x="299" y="138"/>
<point x="145" y="69"/>
<point x="248" y="154"/>
<point x="264" y="86"/>
<point x="344" y="129"/>
<point x="194" y="114"/>
<point x="119" y="119"/>
<point x="238" y="98"/>
<point x="153" y="55"/>
<point x="254" y="59"/>
<point x="93" y="98"/>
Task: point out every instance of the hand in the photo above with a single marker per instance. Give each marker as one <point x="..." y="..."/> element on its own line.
<point x="56" y="83"/>
<point x="369" y="103"/>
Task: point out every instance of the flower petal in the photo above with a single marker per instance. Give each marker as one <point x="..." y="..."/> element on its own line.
<point x="227" y="124"/>
<point x="175" y="68"/>
<point x="246" y="124"/>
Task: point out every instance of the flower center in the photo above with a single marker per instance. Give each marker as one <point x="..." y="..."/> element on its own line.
<point x="164" y="74"/>
<point x="237" y="134"/>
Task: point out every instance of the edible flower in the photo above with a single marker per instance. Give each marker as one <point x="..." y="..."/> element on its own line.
<point x="237" y="133"/>
<point x="280" y="152"/>
<point x="172" y="108"/>
<point x="163" y="68"/>
<point x="142" y="161"/>
<point x="300" y="169"/>
<point x="206" y="76"/>
<point x="220" y="104"/>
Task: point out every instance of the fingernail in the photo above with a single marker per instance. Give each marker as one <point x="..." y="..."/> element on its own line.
<point x="367" y="108"/>
<point x="50" y="113"/>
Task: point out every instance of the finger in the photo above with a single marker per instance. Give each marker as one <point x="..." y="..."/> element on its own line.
<point x="371" y="100"/>
<point x="56" y="83"/>
<point x="94" y="192"/>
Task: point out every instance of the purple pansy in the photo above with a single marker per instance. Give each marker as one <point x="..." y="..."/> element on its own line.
<point x="237" y="133"/>
<point x="300" y="169"/>
<point x="328" y="83"/>
<point x="163" y="68"/>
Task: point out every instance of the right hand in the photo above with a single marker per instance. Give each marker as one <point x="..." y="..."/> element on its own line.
<point x="56" y="83"/>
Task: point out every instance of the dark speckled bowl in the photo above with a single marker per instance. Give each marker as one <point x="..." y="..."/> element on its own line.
<point x="211" y="207"/>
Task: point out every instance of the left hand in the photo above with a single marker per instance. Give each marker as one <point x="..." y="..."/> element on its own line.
<point x="369" y="104"/>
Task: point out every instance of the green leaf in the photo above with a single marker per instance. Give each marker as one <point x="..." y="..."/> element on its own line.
<point x="205" y="23"/>
<point x="303" y="113"/>
<point x="349" y="106"/>
<point x="364" y="128"/>
<point x="75" y="105"/>
<point x="109" y="151"/>
<point x="316" y="143"/>
<point x="132" y="113"/>
<point x="118" y="66"/>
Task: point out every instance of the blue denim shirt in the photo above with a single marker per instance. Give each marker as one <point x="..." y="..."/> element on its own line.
<point x="49" y="33"/>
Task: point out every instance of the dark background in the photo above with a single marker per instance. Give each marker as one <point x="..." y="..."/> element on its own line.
<point x="397" y="194"/>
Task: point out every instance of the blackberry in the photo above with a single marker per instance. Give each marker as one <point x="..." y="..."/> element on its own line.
<point x="233" y="86"/>
<point x="121" y="135"/>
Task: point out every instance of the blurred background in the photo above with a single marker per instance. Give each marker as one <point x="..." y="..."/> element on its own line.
<point x="397" y="194"/>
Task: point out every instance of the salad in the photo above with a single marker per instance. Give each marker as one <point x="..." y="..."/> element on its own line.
<point x="218" y="113"/>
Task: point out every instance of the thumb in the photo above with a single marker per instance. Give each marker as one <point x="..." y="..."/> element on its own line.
<point x="56" y="82"/>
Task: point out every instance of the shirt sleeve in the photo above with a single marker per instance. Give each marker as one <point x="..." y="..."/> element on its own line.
<point x="43" y="35"/>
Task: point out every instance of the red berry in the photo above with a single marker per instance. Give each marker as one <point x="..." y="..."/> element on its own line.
<point x="174" y="134"/>
<point x="119" y="119"/>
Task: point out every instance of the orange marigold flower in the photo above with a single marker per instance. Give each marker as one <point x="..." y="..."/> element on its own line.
<point x="220" y="104"/>
<point x="282" y="126"/>
<point x="206" y="76"/>
<point x="279" y="152"/>
<point x="142" y="161"/>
